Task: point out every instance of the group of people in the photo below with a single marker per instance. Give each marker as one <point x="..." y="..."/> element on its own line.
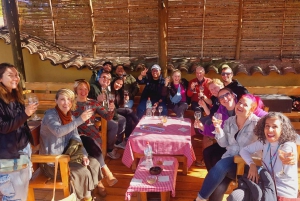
<point x="69" y="128"/>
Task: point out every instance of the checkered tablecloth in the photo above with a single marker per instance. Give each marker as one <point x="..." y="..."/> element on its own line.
<point x="141" y="173"/>
<point x="174" y="140"/>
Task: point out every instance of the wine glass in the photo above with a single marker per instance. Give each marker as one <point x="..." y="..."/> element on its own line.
<point x="195" y="84"/>
<point x="284" y="151"/>
<point x="218" y="117"/>
<point x="197" y="115"/>
<point x="87" y="107"/>
<point x="34" y="100"/>
<point x="111" y="98"/>
<point x="104" y="91"/>
<point x="160" y="109"/>
<point x="201" y="92"/>
<point x="153" y="110"/>
<point x="126" y="94"/>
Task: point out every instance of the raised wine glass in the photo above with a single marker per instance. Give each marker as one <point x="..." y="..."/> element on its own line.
<point x="197" y="115"/>
<point x="284" y="151"/>
<point x="111" y="98"/>
<point x="153" y="110"/>
<point x="34" y="100"/>
<point x="195" y="84"/>
<point x="126" y="94"/>
<point x="87" y="107"/>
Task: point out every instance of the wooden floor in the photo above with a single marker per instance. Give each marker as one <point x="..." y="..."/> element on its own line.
<point x="187" y="187"/>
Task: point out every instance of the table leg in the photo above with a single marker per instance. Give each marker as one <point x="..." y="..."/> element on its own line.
<point x="142" y="196"/>
<point x="165" y="196"/>
<point x="184" y="166"/>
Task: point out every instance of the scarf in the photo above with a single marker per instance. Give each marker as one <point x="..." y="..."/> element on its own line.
<point x="65" y="119"/>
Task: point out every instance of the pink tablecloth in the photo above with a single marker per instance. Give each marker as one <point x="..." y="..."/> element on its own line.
<point x="174" y="140"/>
<point x="141" y="173"/>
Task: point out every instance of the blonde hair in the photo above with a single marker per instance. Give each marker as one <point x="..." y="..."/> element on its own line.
<point x="216" y="82"/>
<point x="79" y="82"/>
<point x="69" y="94"/>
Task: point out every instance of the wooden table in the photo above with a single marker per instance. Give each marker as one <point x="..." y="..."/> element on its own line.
<point x="164" y="187"/>
<point x="175" y="141"/>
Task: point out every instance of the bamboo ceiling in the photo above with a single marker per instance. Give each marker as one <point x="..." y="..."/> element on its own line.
<point x="197" y="30"/>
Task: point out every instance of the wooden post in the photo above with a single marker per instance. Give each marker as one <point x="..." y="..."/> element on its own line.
<point x="163" y="35"/>
<point x="203" y="28"/>
<point x="283" y="30"/>
<point x="12" y="20"/>
<point x="239" y="31"/>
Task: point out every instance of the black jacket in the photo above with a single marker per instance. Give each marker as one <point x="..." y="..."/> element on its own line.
<point x="14" y="131"/>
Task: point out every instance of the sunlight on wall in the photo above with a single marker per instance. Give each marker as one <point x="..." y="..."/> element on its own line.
<point x="39" y="71"/>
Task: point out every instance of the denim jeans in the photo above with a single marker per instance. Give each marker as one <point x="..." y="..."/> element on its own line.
<point x="224" y="167"/>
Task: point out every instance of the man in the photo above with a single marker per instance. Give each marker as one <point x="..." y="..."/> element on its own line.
<point x="130" y="84"/>
<point x="154" y="83"/>
<point x="106" y="67"/>
<point x="200" y="82"/>
<point x="234" y="85"/>
<point x="99" y="91"/>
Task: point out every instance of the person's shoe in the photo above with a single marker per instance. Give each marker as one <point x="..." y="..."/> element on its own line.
<point x="100" y="189"/>
<point x="121" y="145"/>
<point x="113" y="154"/>
<point x="110" y="178"/>
<point x="200" y="163"/>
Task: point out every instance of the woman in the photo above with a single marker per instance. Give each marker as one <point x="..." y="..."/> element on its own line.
<point x="273" y="131"/>
<point x="176" y="89"/>
<point x="89" y="134"/>
<point x="15" y="136"/>
<point x="236" y="133"/>
<point x="58" y="133"/>
<point x="117" y="88"/>
<point x="214" y="87"/>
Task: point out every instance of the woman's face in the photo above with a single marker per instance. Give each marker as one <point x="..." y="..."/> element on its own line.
<point x="10" y="78"/>
<point x="214" y="89"/>
<point x="176" y="77"/>
<point x="82" y="91"/>
<point x="118" y="84"/>
<point x="64" y="103"/>
<point x="243" y="107"/>
<point x="272" y="129"/>
<point x="226" y="99"/>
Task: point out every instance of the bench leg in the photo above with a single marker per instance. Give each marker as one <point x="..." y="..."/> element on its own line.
<point x="142" y="196"/>
<point x="165" y="196"/>
<point x="30" y="196"/>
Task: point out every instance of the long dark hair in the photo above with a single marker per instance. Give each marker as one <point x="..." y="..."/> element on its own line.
<point x="5" y="94"/>
<point x="119" y="94"/>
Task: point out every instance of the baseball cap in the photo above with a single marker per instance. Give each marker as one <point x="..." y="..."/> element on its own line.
<point x="155" y="66"/>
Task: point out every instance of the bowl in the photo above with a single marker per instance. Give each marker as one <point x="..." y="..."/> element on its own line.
<point x="151" y="179"/>
<point x="155" y="170"/>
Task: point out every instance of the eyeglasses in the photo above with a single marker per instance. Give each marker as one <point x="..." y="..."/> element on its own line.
<point x="106" y="77"/>
<point x="223" y="74"/>
<point x="224" y="96"/>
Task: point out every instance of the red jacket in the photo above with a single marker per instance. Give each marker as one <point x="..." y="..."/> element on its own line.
<point x="195" y="96"/>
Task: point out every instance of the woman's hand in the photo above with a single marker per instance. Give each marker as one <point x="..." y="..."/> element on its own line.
<point x="101" y="97"/>
<point x="87" y="114"/>
<point x="193" y="85"/>
<point x="202" y="103"/>
<point x="167" y="81"/>
<point x="144" y="72"/>
<point x="253" y="174"/>
<point x="198" y="124"/>
<point x="288" y="158"/>
<point x="85" y="161"/>
<point x="31" y="108"/>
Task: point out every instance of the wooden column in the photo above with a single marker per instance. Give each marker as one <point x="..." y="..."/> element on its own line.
<point x="12" y="20"/>
<point x="239" y="31"/>
<point x="163" y="35"/>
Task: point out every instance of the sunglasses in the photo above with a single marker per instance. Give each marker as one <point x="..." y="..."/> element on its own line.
<point x="105" y="77"/>
<point x="223" y="74"/>
<point x="224" y="96"/>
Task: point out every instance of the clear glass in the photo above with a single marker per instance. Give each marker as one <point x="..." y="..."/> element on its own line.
<point x="201" y="92"/>
<point x="197" y="115"/>
<point x="160" y="109"/>
<point x="195" y="91"/>
<point x="34" y="100"/>
<point x="284" y="151"/>
<point x="153" y="110"/>
<point x="88" y="107"/>
<point x="111" y="98"/>
<point x="126" y="94"/>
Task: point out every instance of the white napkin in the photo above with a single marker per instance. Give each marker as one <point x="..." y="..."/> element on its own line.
<point x="163" y="178"/>
<point x="137" y="133"/>
<point x="166" y="163"/>
<point x="135" y="181"/>
<point x="182" y="129"/>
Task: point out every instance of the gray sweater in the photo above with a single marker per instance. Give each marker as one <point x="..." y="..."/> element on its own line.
<point x="54" y="136"/>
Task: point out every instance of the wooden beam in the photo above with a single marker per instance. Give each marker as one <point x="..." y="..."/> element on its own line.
<point x="12" y="20"/>
<point x="93" y="29"/>
<point x="239" y="31"/>
<point x="163" y="35"/>
<point x="283" y="29"/>
<point x="203" y="28"/>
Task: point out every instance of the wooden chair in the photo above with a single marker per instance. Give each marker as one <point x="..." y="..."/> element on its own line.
<point x="102" y="133"/>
